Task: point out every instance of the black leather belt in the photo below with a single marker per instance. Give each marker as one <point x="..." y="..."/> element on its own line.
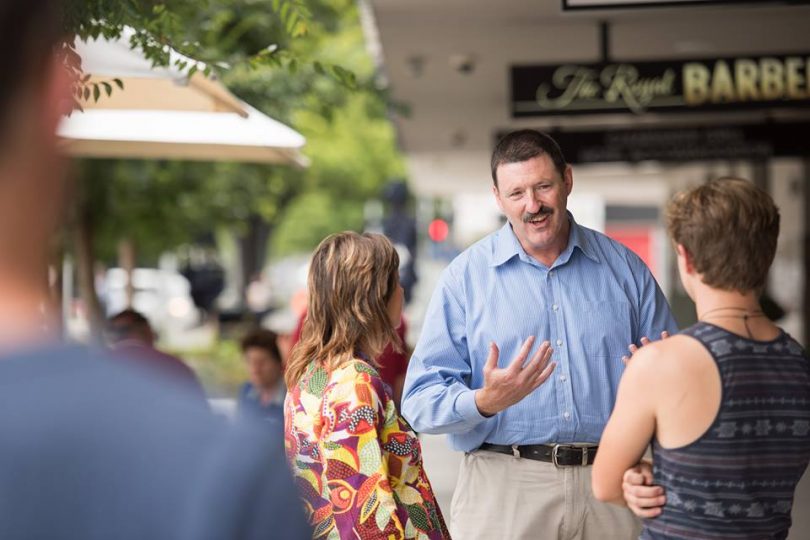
<point x="561" y="455"/>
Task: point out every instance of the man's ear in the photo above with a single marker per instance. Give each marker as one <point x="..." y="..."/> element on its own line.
<point x="568" y="179"/>
<point x="496" y="194"/>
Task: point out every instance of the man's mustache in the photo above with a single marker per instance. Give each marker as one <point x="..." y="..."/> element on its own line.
<point x="543" y="211"/>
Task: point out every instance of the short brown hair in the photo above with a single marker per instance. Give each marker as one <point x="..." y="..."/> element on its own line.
<point x="128" y="324"/>
<point x="262" y="338"/>
<point x="729" y="227"/>
<point x="523" y="145"/>
<point x="351" y="280"/>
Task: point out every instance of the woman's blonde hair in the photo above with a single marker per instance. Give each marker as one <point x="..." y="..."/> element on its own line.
<point x="351" y="280"/>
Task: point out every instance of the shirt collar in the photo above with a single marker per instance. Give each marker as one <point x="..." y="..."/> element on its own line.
<point x="278" y="397"/>
<point x="508" y="246"/>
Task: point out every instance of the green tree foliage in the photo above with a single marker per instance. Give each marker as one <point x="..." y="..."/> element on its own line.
<point x="328" y="92"/>
<point x="217" y="34"/>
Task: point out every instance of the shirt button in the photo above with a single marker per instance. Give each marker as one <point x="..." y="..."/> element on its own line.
<point x="567" y="415"/>
<point x="559" y="343"/>
<point x="563" y="378"/>
<point x="551" y="273"/>
<point x="555" y="307"/>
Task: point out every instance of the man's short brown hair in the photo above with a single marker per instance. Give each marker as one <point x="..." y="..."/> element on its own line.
<point x="729" y="228"/>
<point x="262" y="338"/>
<point x="523" y="145"/>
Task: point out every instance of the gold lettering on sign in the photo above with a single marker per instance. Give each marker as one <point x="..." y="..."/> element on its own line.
<point x="723" y="87"/>
<point x="576" y="82"/>
<point x="720" y="81"/>
<point x="695" y="83"/>
<point x="746" y="71"/>
<point x="794" y="79"/>
<point x="622" y="82"/>
<point x="768" y="79"/>
<point x="771" y="76"/>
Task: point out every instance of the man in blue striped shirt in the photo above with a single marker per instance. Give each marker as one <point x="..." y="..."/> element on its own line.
<point x="529" y="435"/>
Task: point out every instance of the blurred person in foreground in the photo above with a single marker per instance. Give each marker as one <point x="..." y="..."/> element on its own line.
<point x="358" y="464"/>
<point x="263" y="396"/>
<point x="131" y="337"/>
<point x="726" y="403"/>
<point x="477" y="373"/>
<point x="94" y="449"/>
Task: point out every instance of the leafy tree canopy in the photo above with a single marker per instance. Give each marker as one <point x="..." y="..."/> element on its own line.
<point x="327" y="89"/>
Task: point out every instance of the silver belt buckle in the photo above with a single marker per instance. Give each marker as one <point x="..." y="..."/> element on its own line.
<point x="556" y="449"/>
<point x="554" y="456"/>
<point x="515" y="451"/>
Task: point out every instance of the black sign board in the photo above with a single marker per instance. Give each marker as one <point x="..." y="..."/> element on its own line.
<point x="716" y="84"/>
<point x="683" y="144"/>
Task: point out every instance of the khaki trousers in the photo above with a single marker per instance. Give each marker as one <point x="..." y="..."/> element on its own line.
<point x="500" y="497"/>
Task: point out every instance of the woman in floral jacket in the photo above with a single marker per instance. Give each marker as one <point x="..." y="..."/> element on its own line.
<point x="357" y="463"/>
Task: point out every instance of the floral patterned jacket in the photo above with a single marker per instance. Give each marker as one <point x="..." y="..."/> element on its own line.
<point x="357" y="463"/>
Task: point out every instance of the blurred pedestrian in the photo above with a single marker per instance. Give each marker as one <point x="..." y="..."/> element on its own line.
<point x="725" y="402"/>
<point x="359" y="465"/>
<point x="131" y="337"/>
<point x="263" y="396"/>
<point x="93" y="449"/>
<point x="393" y="363"/>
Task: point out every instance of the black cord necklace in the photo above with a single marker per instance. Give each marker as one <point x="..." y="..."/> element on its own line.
<point x="744" y="314"/>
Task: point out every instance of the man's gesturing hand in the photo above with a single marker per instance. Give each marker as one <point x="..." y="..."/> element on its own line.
<point x="504" y="387"/>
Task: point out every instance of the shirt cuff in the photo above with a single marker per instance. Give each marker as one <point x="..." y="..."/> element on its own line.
<point x="467" y="409"/>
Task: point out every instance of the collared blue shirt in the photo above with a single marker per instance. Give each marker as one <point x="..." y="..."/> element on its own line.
<point x="250" y="403"/>
<point x="595" y="299"/>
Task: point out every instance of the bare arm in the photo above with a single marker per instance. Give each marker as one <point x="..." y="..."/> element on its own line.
<point x="629" y="430"/>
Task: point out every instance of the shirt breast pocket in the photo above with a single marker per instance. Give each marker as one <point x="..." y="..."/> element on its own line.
<point x="606" y="327"/>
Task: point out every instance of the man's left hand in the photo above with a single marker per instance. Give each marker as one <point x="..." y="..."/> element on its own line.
<point x="633" y="348"/>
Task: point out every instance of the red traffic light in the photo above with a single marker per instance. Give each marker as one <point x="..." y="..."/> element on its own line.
<point x="438" y="230"/>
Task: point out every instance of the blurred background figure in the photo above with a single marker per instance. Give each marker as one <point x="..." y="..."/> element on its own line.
<point x="131" y="337"/>
<point x="263" y="396"/>
<point x="400" y="227"/>
<point x="393" y="364"/>
<point x="207" y="279"/>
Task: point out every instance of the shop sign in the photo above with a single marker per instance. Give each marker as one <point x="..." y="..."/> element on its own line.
<point x="717" y="84"/>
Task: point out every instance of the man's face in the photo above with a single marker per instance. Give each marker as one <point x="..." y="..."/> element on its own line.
<point x="265" y="370"/>
<point x="533" y="197"/>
